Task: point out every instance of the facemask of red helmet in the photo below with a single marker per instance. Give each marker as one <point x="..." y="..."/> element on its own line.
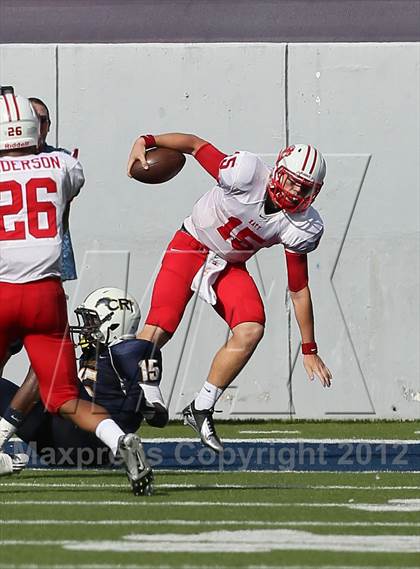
<point x="297" y="178"/>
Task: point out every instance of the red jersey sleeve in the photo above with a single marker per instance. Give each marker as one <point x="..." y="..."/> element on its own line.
<point x="210" y="157"/>
<point x="297" y="270"/>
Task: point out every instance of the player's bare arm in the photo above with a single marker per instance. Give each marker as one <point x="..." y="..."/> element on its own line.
<point x="313" y="364"/>
<point x="27" y="395"/>
<point x="185" y="143"/>
<point x="24" y="400"/>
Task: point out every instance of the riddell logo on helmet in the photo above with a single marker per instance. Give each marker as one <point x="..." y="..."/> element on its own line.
<point x="12" y="145"/>
<point x="116" y="303"/>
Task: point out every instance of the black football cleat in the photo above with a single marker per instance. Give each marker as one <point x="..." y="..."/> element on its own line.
<point x="139" y="471"/>
<point x="202" y="422"/>
<point x="155" y="414"/>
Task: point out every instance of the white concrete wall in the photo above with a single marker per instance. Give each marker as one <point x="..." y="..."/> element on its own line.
<point x="358" y="102"/>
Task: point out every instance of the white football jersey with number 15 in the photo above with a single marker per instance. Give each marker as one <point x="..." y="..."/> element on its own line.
<point x="34" y="192"/>
<point x="230" y="218"/>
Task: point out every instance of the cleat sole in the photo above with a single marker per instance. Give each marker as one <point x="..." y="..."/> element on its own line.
<point x="143" y="486"/>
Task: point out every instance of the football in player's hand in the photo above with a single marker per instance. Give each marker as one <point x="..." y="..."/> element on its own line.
<point x="164" y="164"/>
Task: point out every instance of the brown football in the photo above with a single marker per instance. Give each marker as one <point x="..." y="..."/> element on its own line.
<point x="164" y="164"/>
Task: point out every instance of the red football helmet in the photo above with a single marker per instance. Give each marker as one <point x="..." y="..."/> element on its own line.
<point x="297" y="177"/>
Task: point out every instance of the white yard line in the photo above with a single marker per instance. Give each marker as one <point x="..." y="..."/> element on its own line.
<point x="320" y="523"/>
<point x="149" y="503"/>
<point x="156" y="566"/>
<point x="237" y="541"/>
<point x="114" y="471"/>
<point x="398" y="505"/>
<point x="355" y="440"/>
<point x="268" y="432"/>
<point x="105" y="485"/>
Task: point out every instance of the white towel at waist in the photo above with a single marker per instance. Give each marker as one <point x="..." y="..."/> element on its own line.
<point x="206" y="277"/>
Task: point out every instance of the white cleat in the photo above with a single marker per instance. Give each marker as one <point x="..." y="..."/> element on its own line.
<point x="139" y="472"/>
<point x="12" y="463"/>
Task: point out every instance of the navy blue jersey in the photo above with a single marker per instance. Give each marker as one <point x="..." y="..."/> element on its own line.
<point x="114" y="381"/>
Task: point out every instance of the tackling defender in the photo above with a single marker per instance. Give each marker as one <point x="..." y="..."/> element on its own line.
<point x="35" y="189"/>
<point x="251" y="207"/>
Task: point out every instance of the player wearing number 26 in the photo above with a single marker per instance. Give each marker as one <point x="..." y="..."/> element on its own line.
<point x="35" y="189"/>
<point x="250" y="207"/>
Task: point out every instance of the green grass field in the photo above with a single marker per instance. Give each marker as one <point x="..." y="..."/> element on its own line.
<point x="90" y="520"/>
<point x="403" y="430"/>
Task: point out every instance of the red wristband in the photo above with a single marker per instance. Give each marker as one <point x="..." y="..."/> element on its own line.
<point x="149" y="140"/>
<point x="309" y="348"/>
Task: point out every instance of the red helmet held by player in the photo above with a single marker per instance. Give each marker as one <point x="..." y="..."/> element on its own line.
<point x="297" y="177"/>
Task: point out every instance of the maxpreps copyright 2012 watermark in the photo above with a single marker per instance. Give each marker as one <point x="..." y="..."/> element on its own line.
<point x="185" y="455"/>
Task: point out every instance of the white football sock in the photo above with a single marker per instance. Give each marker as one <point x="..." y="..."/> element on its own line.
<point x="109" y="433"/>
<point x="153" y="393"/>
<point x="6" y="431"/>
<point x="207" y="397"/>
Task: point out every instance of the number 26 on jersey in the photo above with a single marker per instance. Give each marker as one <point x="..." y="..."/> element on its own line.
<point x="20" y="228"/>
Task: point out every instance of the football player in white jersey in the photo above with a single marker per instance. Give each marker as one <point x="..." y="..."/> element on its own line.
<point x="35" y="189"/>
<point x="251" y="207"/>
<point x="28" y="394"/>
